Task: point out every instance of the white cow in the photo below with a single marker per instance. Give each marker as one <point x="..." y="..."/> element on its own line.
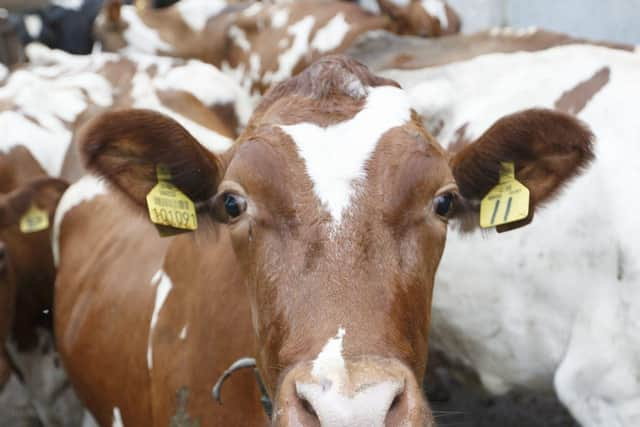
<point x="555" y="303"/>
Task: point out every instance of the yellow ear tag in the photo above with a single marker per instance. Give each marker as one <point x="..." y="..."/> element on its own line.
<point x="506" y="202"/>
<point x="168" y="205"/>
<point x="34" y="220"/>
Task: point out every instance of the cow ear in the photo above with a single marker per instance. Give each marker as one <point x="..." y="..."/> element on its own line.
<point x="547" y="149"/>
<point x="126" y="146"/>
<point x="44" y="193"/>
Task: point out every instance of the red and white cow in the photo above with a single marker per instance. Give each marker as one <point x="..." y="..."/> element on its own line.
<point x="540" y="308"/>
<point x="320" y="233"/>
<point x="41" y="107"/>
<point x="258" y="43"/>
<point x="26" y="295"/>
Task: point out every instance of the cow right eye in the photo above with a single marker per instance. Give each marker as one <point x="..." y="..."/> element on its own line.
<point x="234" y="205"/>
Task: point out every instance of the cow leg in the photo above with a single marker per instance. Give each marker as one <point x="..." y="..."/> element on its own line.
<point x="46" y="384"/>
<point x="599" y="377"/>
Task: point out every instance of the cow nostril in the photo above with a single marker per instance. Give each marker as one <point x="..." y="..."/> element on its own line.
<point x="395" y="403"/>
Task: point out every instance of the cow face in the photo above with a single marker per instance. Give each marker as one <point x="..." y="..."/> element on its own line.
<point x="337" y="202"/>
<point x="26" y="266"/>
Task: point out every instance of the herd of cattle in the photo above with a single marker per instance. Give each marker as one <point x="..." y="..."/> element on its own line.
<point x="322" y="201"/>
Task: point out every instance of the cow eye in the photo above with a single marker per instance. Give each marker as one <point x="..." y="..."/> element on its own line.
<point x="234" y="205"/>
<point x="444" y="204"/>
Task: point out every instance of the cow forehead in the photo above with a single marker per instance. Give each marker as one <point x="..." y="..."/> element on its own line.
<point x="335" y="156"/>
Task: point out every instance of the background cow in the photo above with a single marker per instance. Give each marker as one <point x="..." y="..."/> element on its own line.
<point x="333" y="174"/>
<point x="540" y="308"/>
<point x="260" y="44"/>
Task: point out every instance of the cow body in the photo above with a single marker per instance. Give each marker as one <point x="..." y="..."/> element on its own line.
<point x="261" y="44"/>
<point x="324" y="222"/>
<point x="550" y="305"/>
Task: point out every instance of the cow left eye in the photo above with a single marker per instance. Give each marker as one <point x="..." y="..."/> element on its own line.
<point x="234" y="205"/>
<point x="444" y="204"/>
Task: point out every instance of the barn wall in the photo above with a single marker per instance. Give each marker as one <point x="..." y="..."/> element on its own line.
<point x="613" y="20"/>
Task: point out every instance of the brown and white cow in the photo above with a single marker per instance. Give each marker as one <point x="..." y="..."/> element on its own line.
<point x="565" y="317"/>
<point x="258" y="43"/>
<point x="42" y="105"/>
<point x="320" y="234"/>
<point x="26" y="294"/>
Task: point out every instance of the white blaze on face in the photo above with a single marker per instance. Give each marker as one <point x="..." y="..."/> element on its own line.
<point x="331" y="35"/>
<point x="139" y="36"/>
<point x="329" y="364"/>
<point x="117" y="418"/>
<point x="336" y="156"/>
<point x="83" y="190"/>
<point x="437" y="9"/>
<point x="163" y="285"/>
<point x="196" y="13"/>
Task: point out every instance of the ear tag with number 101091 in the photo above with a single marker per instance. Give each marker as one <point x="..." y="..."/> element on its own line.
<point x="506" y="202"/>
<point x="168" y="206"/>
<point x="34" y="220"/>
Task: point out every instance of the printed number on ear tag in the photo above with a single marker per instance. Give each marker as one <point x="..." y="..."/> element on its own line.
<point x="34" y="220"/>
<point x="169" y="206"/>
<point x="506" y="202"/>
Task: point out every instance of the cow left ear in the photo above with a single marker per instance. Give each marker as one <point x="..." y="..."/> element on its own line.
<point x="547" y="149"/>
<point x="44" y="193"/>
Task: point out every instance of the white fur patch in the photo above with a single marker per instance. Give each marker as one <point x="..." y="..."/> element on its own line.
<point x="329" y="364"/>
<point x="140" y="37"/>
<point x="299" y="47"/>
<point x="83" y="190"/>
<point x="331" y="35"/>
<point x="183" y="332"/>
<point x="68" y="4"/>
<point x="239" y="37"/>
<point x="163" y="285"/>
<point x="437" y="9"/>
<point x="370" y="6"/>
<point x="252" y="10"/>
<point x="33" y="24"/>
<point x="335" y="156"/>
<point x="67" y="96"/>
<point x="117" y="418"/>
<point x="280" y="17"/>
<point x="196" y="13"/>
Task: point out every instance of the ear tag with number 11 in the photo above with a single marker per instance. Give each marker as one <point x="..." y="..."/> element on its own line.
<point x="34" y="220"/>
<point x="506" y="202"/>
<point x="168" y="206"/>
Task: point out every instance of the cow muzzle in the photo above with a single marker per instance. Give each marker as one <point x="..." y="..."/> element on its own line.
<point x="369" y="392"/>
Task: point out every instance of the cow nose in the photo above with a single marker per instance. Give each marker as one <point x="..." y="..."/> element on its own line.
<point x="368" y="407"/>
<point x="381" y="393"/>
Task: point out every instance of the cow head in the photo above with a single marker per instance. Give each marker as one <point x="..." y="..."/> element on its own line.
<point x="337" y="202"/>
<point x="26" y="267"/>
<point x="27" y="273"/>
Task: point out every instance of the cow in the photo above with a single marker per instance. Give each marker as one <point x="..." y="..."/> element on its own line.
<point x="538" y="309"/>
<point x="320" y="231"/>
<point x="26" y="289"/>
<point x="257" y="43"/>
<point x="42" y="105"/>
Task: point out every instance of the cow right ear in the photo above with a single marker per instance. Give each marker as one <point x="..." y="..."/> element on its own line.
<point x="126" y="146"/>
